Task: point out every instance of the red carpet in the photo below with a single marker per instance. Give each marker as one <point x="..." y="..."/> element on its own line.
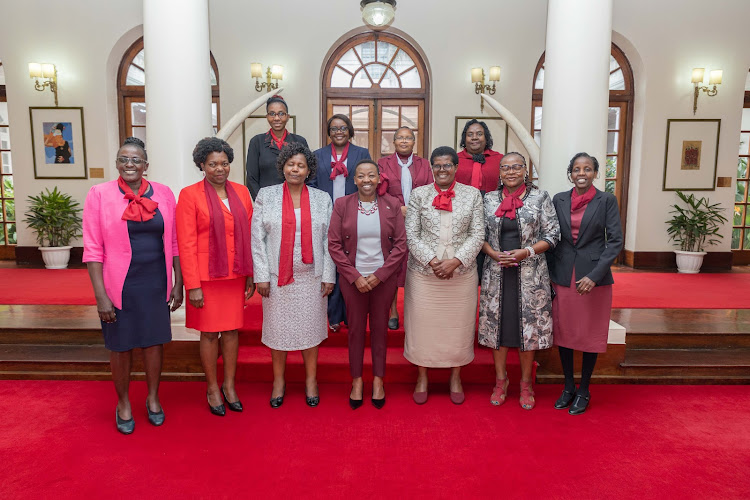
<point x="59" y="441"/>
<point x="631" y="290"/>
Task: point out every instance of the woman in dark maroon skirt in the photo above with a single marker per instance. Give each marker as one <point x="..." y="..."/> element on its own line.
<point x="590" y="241"/>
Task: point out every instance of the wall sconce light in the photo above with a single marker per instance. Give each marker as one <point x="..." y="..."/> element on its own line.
<point x="44" y="75"/>
<point x="477" y="78"/>
<point x="697" y="80"/>
<point x="274" y="72"/>
<point x="378" y="14"/>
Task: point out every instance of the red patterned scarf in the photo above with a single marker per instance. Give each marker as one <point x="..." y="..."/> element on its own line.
<point x="288" y="230"/>
<point x="444" y="199"/>
<point x="279" y="142"/>
<point x="337" y="165"/>
<point x="217" y="240"/>
<point x="139" y="209"/>
<point x="511" y="202"/>
<point x="581" y="200"/>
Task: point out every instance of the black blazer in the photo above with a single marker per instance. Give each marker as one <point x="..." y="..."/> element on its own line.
<point x="598" y="244"/>
<point x="260" y="169"/>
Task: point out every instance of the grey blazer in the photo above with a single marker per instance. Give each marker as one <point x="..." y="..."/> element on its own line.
<point x="266" y="233"/>
<point x="423" y="227"/>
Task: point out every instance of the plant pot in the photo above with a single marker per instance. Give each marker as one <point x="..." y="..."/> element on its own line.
<point x="689" y="262"/>
<point x="55" y="257"/>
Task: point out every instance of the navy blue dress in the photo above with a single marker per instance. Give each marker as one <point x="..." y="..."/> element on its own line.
<point x="144" y="318"/>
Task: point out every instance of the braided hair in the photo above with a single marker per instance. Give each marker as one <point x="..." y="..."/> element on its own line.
<point x="134" y="141"/>
<point x="487" y="134"/>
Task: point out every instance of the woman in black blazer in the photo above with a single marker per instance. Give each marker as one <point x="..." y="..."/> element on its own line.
<point x="590" y="241"/>
<point x="263" y="150"/>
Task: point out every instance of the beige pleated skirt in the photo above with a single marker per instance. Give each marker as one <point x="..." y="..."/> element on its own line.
<point x="439" y="319"/>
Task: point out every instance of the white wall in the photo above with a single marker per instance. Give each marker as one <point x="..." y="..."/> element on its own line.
<point x="664" y="40"/>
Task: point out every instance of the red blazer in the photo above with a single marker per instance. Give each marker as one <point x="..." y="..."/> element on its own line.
<point x="192" y="232"/>
<point x="490" y="170"/>
<point x="420" y="169"/>
<point x="342" y="236"/>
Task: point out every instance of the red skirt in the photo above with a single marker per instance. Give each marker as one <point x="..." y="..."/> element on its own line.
<point x="223" y="306"/>
<point x="581" y="322"/>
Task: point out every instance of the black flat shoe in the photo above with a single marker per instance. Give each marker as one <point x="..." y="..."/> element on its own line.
<point x="312" y="401"/>
<point x="278" y="401"/>
<point x="378" y="403"/>
<point x="580" y="403"/>
<point x="564" y="400"/>
<point x="124" y="426"/>
<point x="155" y="417"/>
<point x="236" y="406"/>
<point x="354" y="403"/>
<point x="219" y="411"/>
<point x="393" y="323"/>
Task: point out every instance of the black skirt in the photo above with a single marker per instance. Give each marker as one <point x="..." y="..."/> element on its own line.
<point x="510" y="323"/>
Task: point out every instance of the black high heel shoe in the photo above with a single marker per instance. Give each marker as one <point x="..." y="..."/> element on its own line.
<point x="278" y="401"/>
<point x="565" y="399"/>
<point x="236" y="406"/>
<point x="312" y="401"/>
<point x="355" y="403"/>
<point x="219" y="411"/>
<point x="378" y="403"/>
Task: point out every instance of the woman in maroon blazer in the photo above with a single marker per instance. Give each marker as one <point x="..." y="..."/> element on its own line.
<point x="399" y="174"/>
<point x="367" y="241"/>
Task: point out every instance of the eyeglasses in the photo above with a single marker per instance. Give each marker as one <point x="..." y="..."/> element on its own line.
<point x="273" y="114"/>
<point x="333" y="130"/>
<point x="516" y="168"/>
<point x="124" y="160"/>
<point x="406" y="138"/>
<point x="446" y="166"/>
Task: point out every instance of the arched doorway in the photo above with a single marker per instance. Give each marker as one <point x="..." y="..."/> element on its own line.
<point x="381" y="82"/>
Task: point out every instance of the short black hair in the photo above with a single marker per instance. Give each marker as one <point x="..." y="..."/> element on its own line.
<point x="367" y="161"/>
<point x="487" y="134"/>
<point x="276" y="98"/>
<point x="295" y="148"/>
<point x="344" y="119"/>
<point x="527" y="180"/>
<point x="593" y="159"/>
<point x="444" y="151"/>
<point x="209" y="145"/>
<point x="134" y="141"/>
<point x="403" y="128"/>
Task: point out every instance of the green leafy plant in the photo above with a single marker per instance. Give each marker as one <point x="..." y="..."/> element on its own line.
<point x="55" y="218"/>
<point x="696" y="226"/>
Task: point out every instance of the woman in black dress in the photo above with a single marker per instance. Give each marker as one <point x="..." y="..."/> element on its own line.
<point x="130" y="246"/>
<point x="264" y="148"/>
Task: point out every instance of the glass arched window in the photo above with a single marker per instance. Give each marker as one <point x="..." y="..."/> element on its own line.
<point x="741" y="217"/>
<point x="619" y="126"/>
<point x="380" y="81"/>
<point x="8" y="232"/>
<point x="131" y="87"/>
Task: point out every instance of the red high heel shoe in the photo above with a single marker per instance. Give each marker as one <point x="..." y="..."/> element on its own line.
<point x="527" y="395"/>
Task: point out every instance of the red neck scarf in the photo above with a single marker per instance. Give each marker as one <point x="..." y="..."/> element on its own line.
<point x="139" y="209"/>
<point x="383" y="184"/>
<point x="581" y="200"/>
<point x="288" y="230"/>
<point x="511" y="202"/>
<point x="217" y="236"/>
<point x="477" y="178"/>
<point x="279" y="142"/>
<point x="337" y="165"/>
<point x="444" y="199"/>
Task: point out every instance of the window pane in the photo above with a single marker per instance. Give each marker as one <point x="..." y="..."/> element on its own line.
<point x="7" y="187"/>
<point x="613" y="64"/>
<point x="361" y="80"/>
<point x="409" y="116"/>
<point x="747" y="217"/>
<point x="4" y="112"/>
<point x="140" y="59"/>
<point x="742" y="168"/>
<point x="10" y="210"/>
<point x="135" y="76"/>
<point x="746" y="243"/>
<point x="361" y="117"/>
<point x="736" y="234"/>
<point x="4" y="138"/>
<point x="386" y="51"/>
<point x="411" y="79"/>
<point x="362" y="139"/>
<point x="138" y="113"/>
<point x="738" y="215"/>
<point x="537" y="118"/>
<point x="612" y="142"/>
<point x="613" y="120"/>
<point x="538" y="138"/>
<point x="2" y="235"/>
<point x="611" y="167"/>
<point x="213" y="75"/>
<point x="386" y="142"/>
<point x="609" y="187"/>
<point x="390" y="117"/>
<point x="139" y="132"/>
<point x="402" y="62"/>
<point x="376" y="71"/>
<point x="214" y="115"/>
<point x="739" y="193"/>
<point x="5" y="158"/>
<point x="617" y="81"/>
<point x="744" y="141"/>
<point x="390" y="81"/>
<point x="539" y="83"/>
<point x="340" y="78"/>
<point x="349" y="61"/>
<point x="341" y="110"/>
<point x="12" y="234"/>
<point x="366" y="52"/>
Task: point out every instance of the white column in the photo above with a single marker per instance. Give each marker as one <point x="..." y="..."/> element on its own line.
<point x="576" y="88"/>
<point x="178" y="87"/>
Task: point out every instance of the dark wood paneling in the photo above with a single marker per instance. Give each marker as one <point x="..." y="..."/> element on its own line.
<point x="32" y="256"/>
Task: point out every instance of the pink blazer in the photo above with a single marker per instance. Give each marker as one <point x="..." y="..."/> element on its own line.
<point x="106" y="238"/>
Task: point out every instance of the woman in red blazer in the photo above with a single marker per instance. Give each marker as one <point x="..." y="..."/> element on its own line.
<point x="367" y="241"/>
<point x="213" y="233"/>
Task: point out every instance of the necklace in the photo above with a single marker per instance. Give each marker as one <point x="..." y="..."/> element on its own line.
<point x="369" y="211"/>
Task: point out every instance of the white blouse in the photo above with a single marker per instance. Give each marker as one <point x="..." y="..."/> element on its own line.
<point x="369" y="248"/>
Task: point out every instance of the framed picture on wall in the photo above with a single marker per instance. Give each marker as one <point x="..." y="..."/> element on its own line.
<point x="498" y="130"/>
<point x="691" y="154"/>
<point x="258" y="124"/>
<point x="58" y="143"/>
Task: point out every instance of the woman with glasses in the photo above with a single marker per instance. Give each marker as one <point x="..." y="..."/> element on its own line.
<point x="444" y="233"/>
<point x="130" y="247"/>
<point x="213" y="231"/>
<point x="264" y="148"/>
<point x="515" y="305"/>
<point x="400" y="174"/>
<point x="335" y="176"/>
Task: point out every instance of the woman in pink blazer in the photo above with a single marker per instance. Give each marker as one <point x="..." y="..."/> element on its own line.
<point x="367" y="241"/>
<point x="130" y="246"/>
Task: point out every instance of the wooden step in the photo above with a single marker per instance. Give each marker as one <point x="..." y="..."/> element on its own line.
<point x="49" y="324"/>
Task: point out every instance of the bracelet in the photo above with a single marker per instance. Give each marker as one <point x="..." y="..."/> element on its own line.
<point x="531" y="251"/>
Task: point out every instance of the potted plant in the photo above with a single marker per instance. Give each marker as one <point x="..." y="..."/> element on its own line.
<point x="55" y="218"/>
<point x="692" y="229"/>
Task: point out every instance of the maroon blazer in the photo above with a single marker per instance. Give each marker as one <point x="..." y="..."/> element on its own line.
<point x="420" y="169"/>
<point x="342" y="236"/>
